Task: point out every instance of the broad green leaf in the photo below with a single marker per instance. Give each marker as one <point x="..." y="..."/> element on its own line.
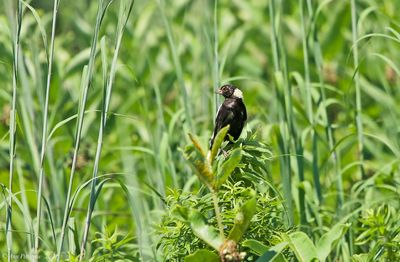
<point x="243" y="218"/>
<point x="217" y="143"/>
<point x="302" y="246"/>
<point x="204" y="231"/>
<point x="274" y="253"/>
<point x="256" y="246"/>
<point x="326" y="242"/>
<point x="228" y="166"/>
<point x="202" y="255"/>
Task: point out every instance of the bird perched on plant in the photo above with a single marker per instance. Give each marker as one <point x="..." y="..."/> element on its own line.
<point x="232" y="112"/>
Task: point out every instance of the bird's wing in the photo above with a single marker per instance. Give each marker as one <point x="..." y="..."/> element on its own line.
<point x="244" y="113"/>
<point x="224" y="117"/>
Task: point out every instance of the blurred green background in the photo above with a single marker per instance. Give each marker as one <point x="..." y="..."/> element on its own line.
<point x="173" y="55"/>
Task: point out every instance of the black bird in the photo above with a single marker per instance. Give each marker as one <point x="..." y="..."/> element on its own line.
<point x="232" y="112"/>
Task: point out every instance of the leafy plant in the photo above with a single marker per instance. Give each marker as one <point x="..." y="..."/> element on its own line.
<point x="214" y="224"/>
<point x="379" y="234"/>
<point x="113" y="245"/>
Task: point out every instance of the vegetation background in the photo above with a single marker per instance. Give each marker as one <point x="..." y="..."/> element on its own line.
<point x="98" y="97"/>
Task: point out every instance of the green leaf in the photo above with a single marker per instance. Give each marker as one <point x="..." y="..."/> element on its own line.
<point x="181" y="213"/>
<point x="228" y="166"/>
<point x="217" y="143"/>
<point x="40" y="25"/>
<point x="274" y="253"/>
<point x="364" y="257"/>
<point x="302" y="246"/>
<point x="256" y="246"/>
<point x="243" y="218"/>
<point x="204" y="231"/>
<point x="195" y="154"/>
<point x="326" y="242"/>
<point x="202" y="255"/>
<point x="204" y="172"/>
<point x="197" y="145"/>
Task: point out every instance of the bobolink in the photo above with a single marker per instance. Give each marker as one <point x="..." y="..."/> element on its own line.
<point x="232" y="112"/>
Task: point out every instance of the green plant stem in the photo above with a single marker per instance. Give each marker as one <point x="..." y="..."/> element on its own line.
<point x="86" y="82"/>
<point x="283" y="93"/>
<point x="123" y="19"/>
<point x="216" y="63"/>
<point x="319" y="61"/>
<point x="16" y="46"/>
<point x="360" y="135"/>
<point x="217" y="213"/>
<point x="306" y="65"/>
<point x="44" y="128"/>
<point x="177" y="64"/>
<point x="309" y="102"/>
<point x="274" y="39"/>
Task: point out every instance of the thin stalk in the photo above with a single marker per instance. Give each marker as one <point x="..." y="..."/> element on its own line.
<point x="44" y="128"/>
<point x="218" y="213"/>
<point x="24" y="200"/>
<point x="310" y="114"/>
<point x="216" y="63"/>
<point x="123" y="19"/>
<point x="87" y="76"/>
<point x="16" y="47"/>
<point x="283" y="93"/>
<point x="360" y="136"/>
<point x="177" y="64"/>
<point x="298" y="141"/>
<point x="274" y="39"/>
<point x="306" y="65"/>
<point x="319" y="61"/>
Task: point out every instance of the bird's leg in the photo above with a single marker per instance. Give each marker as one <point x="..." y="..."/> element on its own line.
<point x="226" y="154"/>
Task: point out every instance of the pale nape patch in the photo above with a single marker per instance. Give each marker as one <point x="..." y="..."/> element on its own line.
<point x="237" y="93"/>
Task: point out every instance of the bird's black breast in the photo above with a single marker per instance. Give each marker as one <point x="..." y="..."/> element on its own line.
<point x="232" y="112"/>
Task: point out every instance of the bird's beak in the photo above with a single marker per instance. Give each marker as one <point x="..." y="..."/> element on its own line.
<point x="218" y="92"/>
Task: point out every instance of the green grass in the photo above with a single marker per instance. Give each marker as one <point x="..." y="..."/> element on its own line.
<point x="98" y="99"/>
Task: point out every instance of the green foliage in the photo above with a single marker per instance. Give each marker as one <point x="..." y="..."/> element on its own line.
<point x="202" y="230"/>
<point x="226" y="169"/>
<point x="114" y="246"/>
<point x="379" y="233"/>
<point x="179" y="239"/>
<point x="320" y="81"/>
<point x="201" y="256"/>
<point x="243" y="218"/>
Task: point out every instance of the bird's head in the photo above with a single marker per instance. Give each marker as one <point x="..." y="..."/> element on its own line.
<point x="230" y="91"/>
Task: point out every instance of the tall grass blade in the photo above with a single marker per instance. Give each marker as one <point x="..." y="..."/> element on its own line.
<point x="86" y="83"/>
<point x="319" y="61"/>
<point x="282" y="90"/>
<point x="177" y="63"/>
<point x="124" y="14"/>
<point x="359" y="123"/>
<point x="309" y="102"/>
<point x="16" y="26"/>
<point x="216" y="59"/>
<point x="44" y="129"/>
